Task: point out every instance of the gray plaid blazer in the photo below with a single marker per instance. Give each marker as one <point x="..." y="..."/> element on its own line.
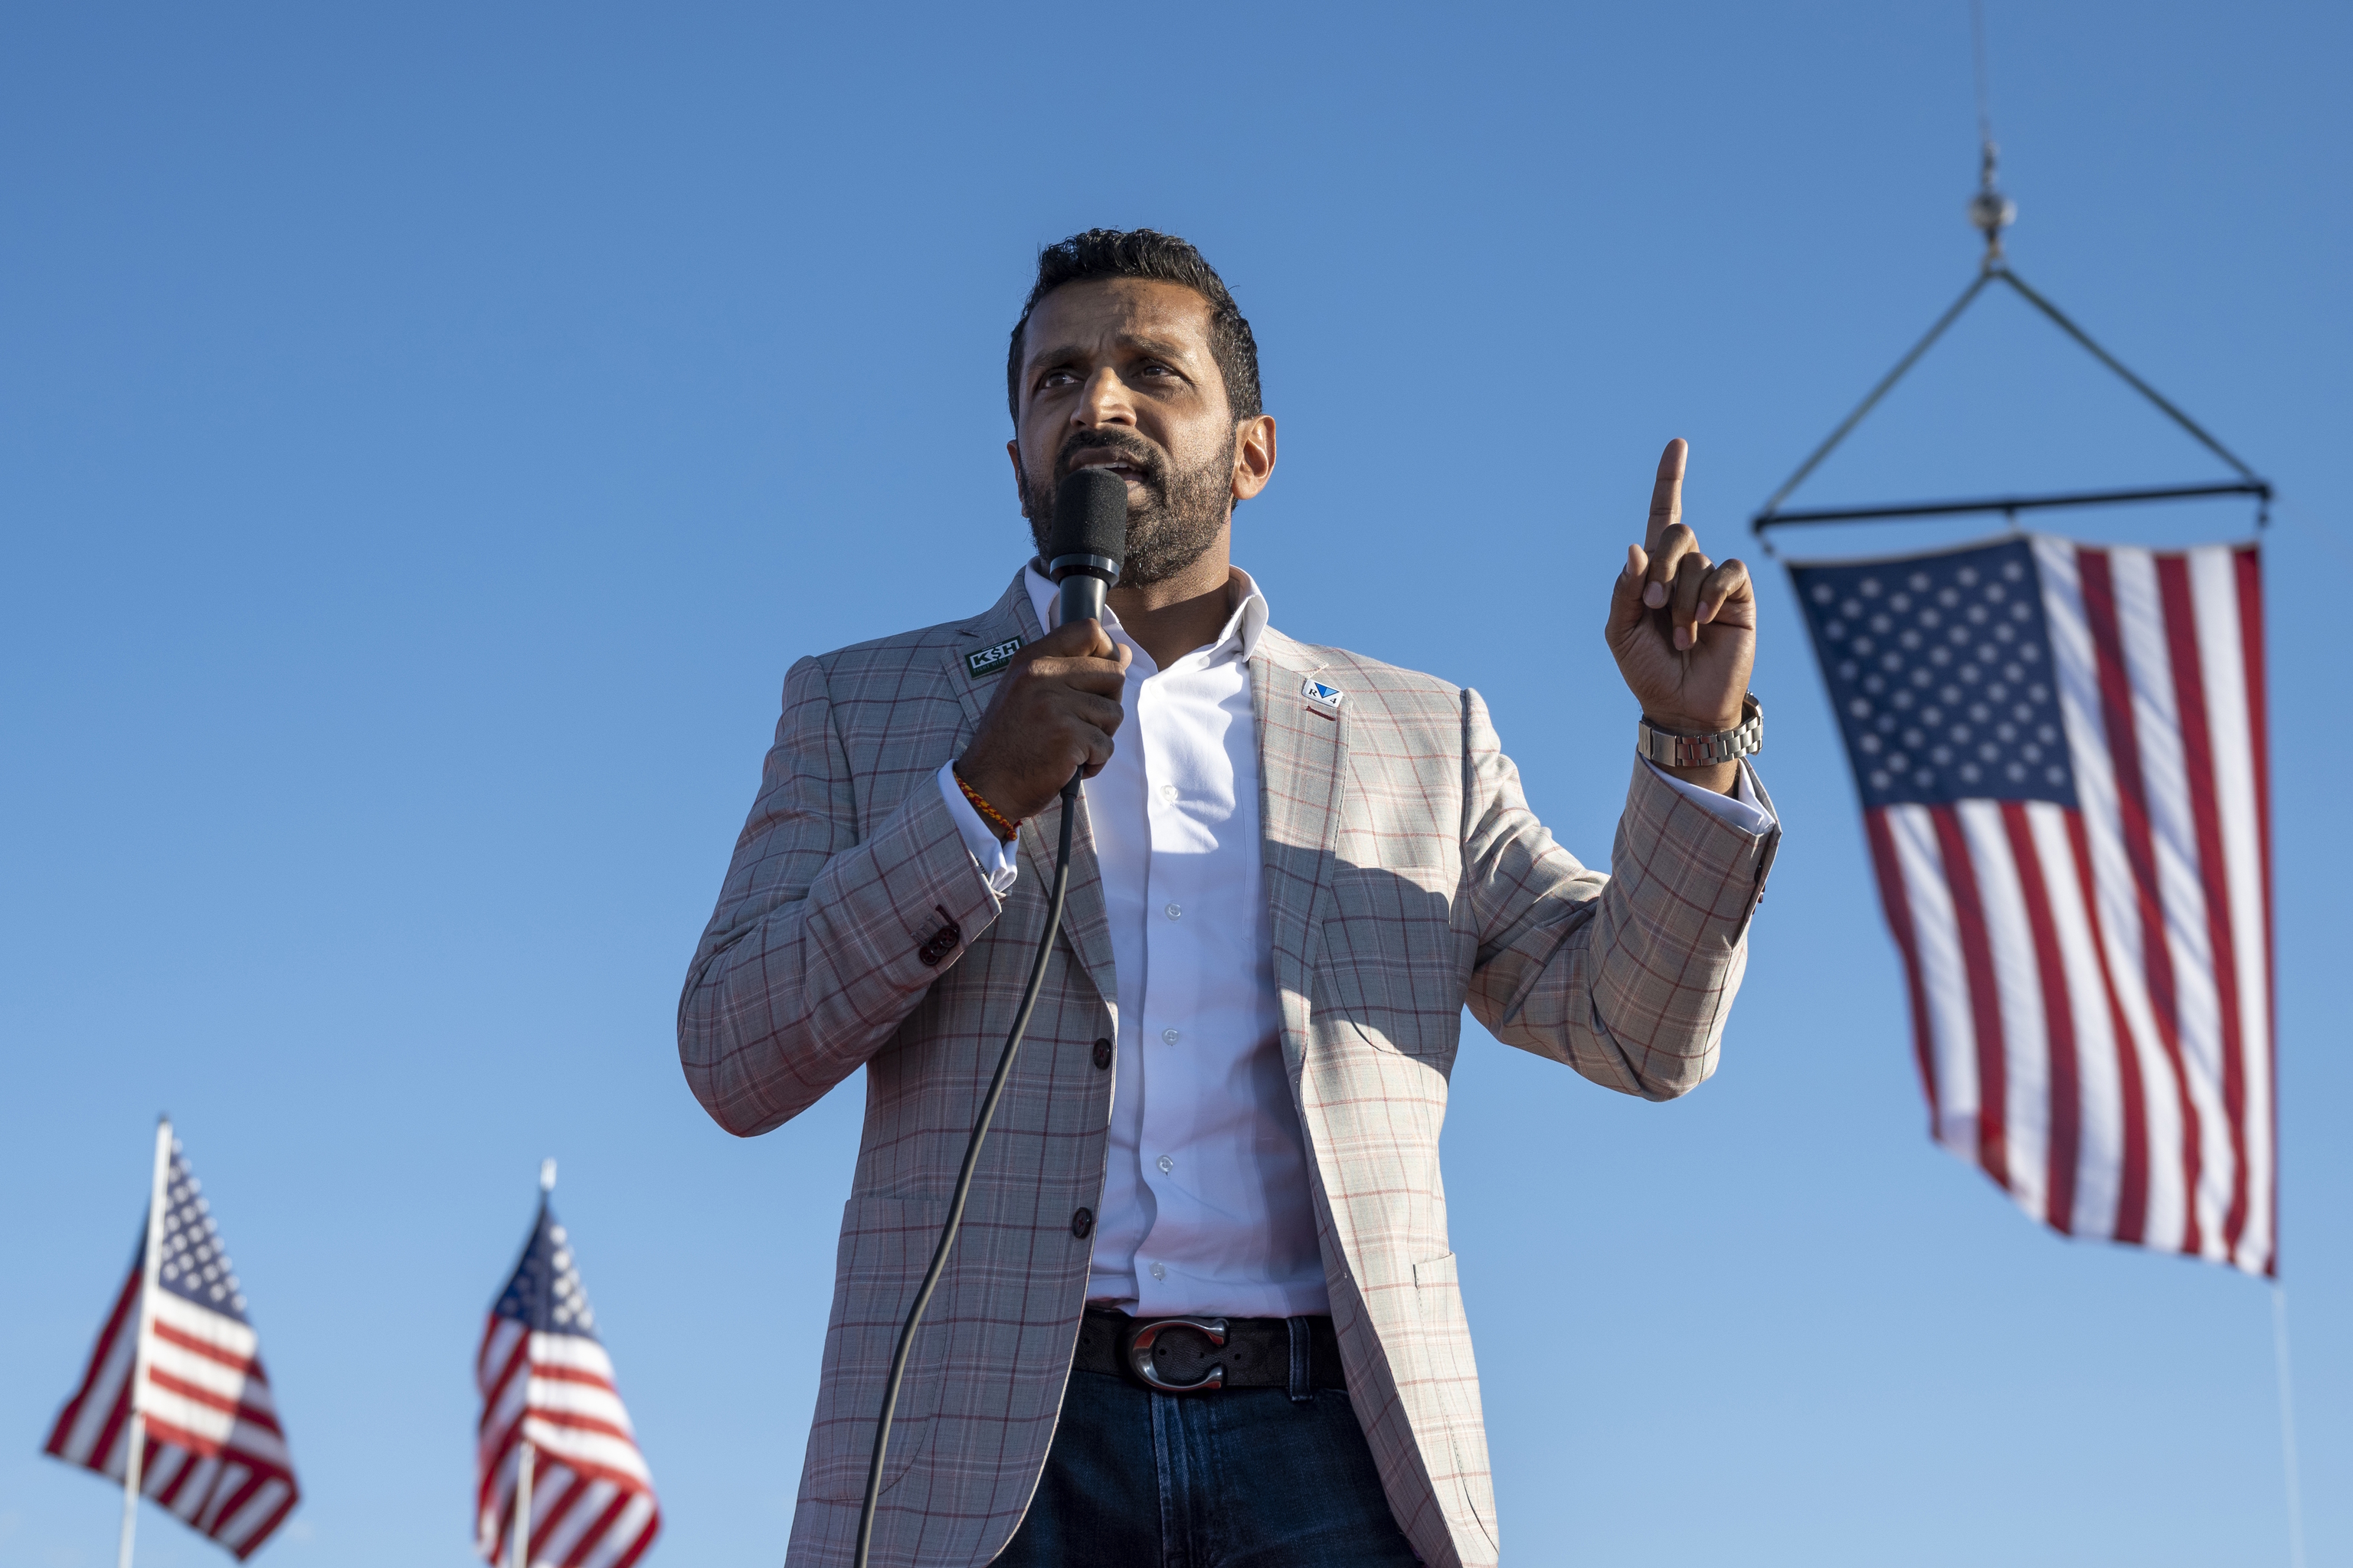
<point x="1407" y="878"/>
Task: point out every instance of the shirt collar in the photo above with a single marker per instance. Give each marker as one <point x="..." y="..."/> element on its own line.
<point x="1239" y="636"/>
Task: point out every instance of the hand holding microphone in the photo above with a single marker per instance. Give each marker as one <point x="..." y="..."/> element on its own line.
<point x="1057" y="704"/>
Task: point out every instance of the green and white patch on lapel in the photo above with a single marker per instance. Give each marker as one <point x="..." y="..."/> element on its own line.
<point x="989" y="661"/>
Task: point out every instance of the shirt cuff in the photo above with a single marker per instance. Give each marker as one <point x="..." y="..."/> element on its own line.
<point x="1745" y="810"/>
<point x="992" y="854"/>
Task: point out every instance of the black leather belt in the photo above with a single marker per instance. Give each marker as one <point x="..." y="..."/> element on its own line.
<point x="1201" y="1355"/>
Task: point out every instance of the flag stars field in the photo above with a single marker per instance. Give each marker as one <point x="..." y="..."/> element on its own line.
<point x="1939" y="675"/>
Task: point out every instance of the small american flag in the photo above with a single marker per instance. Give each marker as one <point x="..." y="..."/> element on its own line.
<point x="2061" y="757"/>
<point x="214" y="1454"/>
<point x="553" y="1423"/>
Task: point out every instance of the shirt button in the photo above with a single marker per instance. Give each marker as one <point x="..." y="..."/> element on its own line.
<point x="1174" y="912"/>
<point x="1166" y="1164"/>
<point x="1168" y="791"/>
<point x="1159" y="1271"/>
<point x="1103" y="1053"/>
<point x="1169" y="1035"/>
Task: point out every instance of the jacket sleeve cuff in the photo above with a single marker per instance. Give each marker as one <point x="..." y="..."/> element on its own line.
<point x="1746" y="808"/>
<point x="912" y="898"/>
<point x="1715" y="868"/>
<point x="991" y="854"/>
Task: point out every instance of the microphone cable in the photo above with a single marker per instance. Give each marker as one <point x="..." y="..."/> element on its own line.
<point x="1087" y="544"/>
<point x="964" y="1177"/>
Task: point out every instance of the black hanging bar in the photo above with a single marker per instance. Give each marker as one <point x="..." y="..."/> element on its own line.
<point x="2010" y="504"/>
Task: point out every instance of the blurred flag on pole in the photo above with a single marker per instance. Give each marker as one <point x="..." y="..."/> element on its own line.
<point x="175" y="1403"/>
<point x="2061" y="753"/>
<point x="556" y="1446"/>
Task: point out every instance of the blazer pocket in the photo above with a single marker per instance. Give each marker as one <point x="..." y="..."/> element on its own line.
<point x="886" y="1243"/>
<point x="1334" y="1031"/>
<point x="1445" y="1343"/>
<point x="1396" y="891"/>
<point x="1451" y="1382"/>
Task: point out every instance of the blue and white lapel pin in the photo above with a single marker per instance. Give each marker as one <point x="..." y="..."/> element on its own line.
<point x="1324" y="699"/>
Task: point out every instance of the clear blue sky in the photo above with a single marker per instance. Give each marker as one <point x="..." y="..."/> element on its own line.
<point x="426" y="439"/>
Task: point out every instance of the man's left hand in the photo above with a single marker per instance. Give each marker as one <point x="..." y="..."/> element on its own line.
<point x="1683" y="628"/>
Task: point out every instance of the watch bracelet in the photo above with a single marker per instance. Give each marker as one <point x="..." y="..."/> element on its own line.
<point x="1744" y="739"/>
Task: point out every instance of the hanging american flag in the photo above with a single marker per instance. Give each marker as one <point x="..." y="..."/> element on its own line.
<point x="552" y="1427"/>
<point x="185" y="1362"/>
<point x="2061" y="757"/>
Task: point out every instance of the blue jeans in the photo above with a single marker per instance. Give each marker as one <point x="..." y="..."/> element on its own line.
<point x="1240" y="1478"/>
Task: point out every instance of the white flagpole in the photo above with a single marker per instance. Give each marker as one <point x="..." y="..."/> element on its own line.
<point x="2287" y="1427"/>
<point x="148" y="1270"/>
<point x="519" y="1556"/>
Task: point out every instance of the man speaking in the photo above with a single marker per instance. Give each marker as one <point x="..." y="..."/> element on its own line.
<point x="1203" y="1309"/>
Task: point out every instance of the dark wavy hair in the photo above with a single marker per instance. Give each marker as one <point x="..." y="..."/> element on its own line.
<point x="1164" y="258"/>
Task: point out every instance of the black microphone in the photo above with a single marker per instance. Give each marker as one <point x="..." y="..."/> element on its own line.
<point x="1088" y="543"/>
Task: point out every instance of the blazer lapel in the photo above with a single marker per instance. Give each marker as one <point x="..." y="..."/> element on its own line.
<point x="1302" y="755"/>
<point x="1085" y="923"/>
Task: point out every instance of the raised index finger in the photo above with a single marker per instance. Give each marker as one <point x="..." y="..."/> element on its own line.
<point x="1667" y="493"/>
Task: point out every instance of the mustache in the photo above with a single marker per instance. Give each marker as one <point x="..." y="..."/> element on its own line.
<point x="1151" y="463"/>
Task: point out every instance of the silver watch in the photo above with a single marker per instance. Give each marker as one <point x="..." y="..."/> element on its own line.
<point x="1669" y="749"/>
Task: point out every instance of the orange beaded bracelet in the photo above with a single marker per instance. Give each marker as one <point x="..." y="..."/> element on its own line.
<point x="1004" y="826"/>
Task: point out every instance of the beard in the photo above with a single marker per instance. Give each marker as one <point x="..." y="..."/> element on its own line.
<point x="1176" y="518"/>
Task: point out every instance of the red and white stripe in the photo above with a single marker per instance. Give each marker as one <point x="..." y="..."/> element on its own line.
<point x="2091" y="989"/>
<point x="215" y="1454"/>
<point x="592" y="1497"/>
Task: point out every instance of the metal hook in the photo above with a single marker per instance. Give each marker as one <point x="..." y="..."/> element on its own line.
<point x="1990" y="212"/>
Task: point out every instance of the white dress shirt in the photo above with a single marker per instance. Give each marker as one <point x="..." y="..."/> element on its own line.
<point x="1205" y="1204"/>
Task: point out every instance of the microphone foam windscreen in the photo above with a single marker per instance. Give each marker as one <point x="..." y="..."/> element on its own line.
<point x="1089" y="517"/>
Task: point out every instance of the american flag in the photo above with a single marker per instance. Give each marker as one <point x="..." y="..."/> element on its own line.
<point x="553" y="1423"/>
<point x="2061" y="757"/>
<point x="214" y="1454"/>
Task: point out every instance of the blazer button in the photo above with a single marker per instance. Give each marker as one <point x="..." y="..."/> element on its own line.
<point x="941" y="943"/>
<point x="1103" y="1055"/>
<point x="1082" y="1223"/>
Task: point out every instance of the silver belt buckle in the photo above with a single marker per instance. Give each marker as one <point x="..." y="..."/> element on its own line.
<point x="1140" y="1340"/>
